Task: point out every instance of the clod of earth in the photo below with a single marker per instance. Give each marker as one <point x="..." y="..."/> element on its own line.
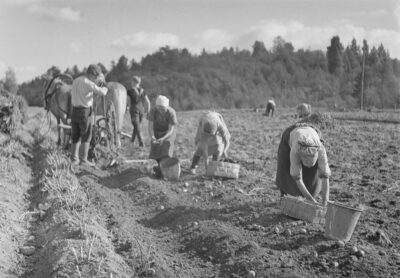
<point x="354" y="250"/>
<point x="27" y="250"/>
<point x="340" y="243"/>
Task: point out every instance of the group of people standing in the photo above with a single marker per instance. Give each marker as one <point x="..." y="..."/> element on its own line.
<point x="302" y="168"/>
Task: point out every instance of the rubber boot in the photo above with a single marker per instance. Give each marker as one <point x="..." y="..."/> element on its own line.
<point x="75" y="153"/>
<point x="84" y="155"/>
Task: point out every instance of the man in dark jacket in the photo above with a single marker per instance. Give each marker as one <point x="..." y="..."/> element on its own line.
<point x="139" y="105"/>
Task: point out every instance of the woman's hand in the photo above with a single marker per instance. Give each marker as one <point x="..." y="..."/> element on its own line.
<point x="161" y="140"/>
<point x="312" y="199"/>
<point x="304" y="191"/>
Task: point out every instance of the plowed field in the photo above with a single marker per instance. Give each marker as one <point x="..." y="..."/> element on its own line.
<point x="134" y="225"/>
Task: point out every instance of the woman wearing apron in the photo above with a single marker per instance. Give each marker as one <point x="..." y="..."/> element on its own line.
<point x="162" y="123"/>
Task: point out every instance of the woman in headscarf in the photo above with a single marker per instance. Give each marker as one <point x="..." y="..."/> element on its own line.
<point x="212" y="138"/>
<point x="162" y="122"/>
<point x="303" y="168"/>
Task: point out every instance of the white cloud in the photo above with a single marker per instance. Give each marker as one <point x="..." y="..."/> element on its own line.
<point x="397" y="15"/>
<point x="64" y="13"/>
<point x="76" y="47"/>
<point x="212" y="39"/>
<point x="146" y="41"/>
<point x="377" y="12"/>
<point x="318" y="37"/>
<point x="20" y="2"/>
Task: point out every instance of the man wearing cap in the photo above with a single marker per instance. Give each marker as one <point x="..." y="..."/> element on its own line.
<point x="139" y="100"/>
<point x="82" y="117"/>
<point x="303" y="168"/>
<point x="212" y="138"/>
<point x="162" y="122"/>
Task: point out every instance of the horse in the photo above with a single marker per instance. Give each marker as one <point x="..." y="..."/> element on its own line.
<point x="57" y="98"/>
<point x="303" y="110"/>
<point x="58" y="102"/>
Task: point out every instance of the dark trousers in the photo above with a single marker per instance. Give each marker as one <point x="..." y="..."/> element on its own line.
<point x="81" y="124"/>
<point x="136" y="119"/>
<point x="270" y="109"/>
<point x="196" y="159"/>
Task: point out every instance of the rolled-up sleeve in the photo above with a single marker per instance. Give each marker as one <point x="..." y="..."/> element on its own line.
<point x="96" y="89"/>
<point x="223" y="130"/>
<point x="295" y="165"/>
<point x="172" y="119"/>
<point x="323" y="165"/>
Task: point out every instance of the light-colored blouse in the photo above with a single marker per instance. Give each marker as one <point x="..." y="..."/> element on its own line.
<point x="307" y="136"/>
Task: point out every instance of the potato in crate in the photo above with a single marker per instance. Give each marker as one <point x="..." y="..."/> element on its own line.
<point x="300" y="208"/>
<point x="223" y="169"/>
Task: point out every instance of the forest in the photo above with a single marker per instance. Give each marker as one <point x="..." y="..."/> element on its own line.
<point x="342" y="77"/>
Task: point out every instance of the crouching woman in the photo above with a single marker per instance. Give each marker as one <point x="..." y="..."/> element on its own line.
<point x="303" y="168"/>
<point x="162" y="122"/>
<point x="212" y="138"/>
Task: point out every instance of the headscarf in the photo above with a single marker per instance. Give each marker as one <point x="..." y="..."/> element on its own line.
<point x="308" y="148"/>
<point x="210" y="127"/>
<point x="162" y="101"/>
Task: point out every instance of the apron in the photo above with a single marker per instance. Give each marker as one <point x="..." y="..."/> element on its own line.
<point x="284" y="180"/>
<point x="160" y="125"/>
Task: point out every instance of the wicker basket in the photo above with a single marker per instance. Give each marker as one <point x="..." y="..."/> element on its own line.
<point x="223" y="169"/>
<point x="300" y="208"/>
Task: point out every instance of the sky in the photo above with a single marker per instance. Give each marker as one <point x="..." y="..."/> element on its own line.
<point x="38" y="34"/>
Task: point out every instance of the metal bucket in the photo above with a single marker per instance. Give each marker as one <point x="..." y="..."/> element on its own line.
<point x="340" y="221"/>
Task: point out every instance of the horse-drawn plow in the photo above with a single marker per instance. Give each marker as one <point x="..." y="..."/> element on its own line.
<point x="105" y="132"/>
<point x="108" y="112"/>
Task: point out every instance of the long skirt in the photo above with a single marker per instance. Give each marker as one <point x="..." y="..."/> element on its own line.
<point x="284" y="180"/>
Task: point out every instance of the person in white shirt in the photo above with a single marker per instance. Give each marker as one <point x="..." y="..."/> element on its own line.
<point x="212" y="138"/>
<point x="82" y="117"/>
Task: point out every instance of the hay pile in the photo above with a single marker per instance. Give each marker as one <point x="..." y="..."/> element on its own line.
<point x="320" y="120"/>
<point x="15" y="111"/>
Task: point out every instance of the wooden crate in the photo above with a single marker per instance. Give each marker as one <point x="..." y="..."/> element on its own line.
<point x="223" y="169"/>
<point x="298" y="207"/>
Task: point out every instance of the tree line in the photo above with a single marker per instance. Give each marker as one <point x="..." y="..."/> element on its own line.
<point x="235" y="78"/>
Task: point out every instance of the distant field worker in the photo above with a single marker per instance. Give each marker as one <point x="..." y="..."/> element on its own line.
<point x="82" y="118"/>
<point x="139" y="106"/>
<point x="212" y="138"/>
<point x="303" y="110"/>
<point x="303" y="168"/>
<point x="270" y="108"/>
<point x="162" y="123"/>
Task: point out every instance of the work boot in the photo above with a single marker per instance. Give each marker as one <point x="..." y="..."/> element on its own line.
<point x="84" y="155"/>
<point x="75" y="153"/>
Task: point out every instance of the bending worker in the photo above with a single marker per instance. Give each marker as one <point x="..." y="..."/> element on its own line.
<point x="212" y="138"/>
<point x="303" y="168"/>
<point x="82" y="117"/>
<point x="270" y="108"/>
<point x="139" y="100"/>
<point x="162" y="122"/>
